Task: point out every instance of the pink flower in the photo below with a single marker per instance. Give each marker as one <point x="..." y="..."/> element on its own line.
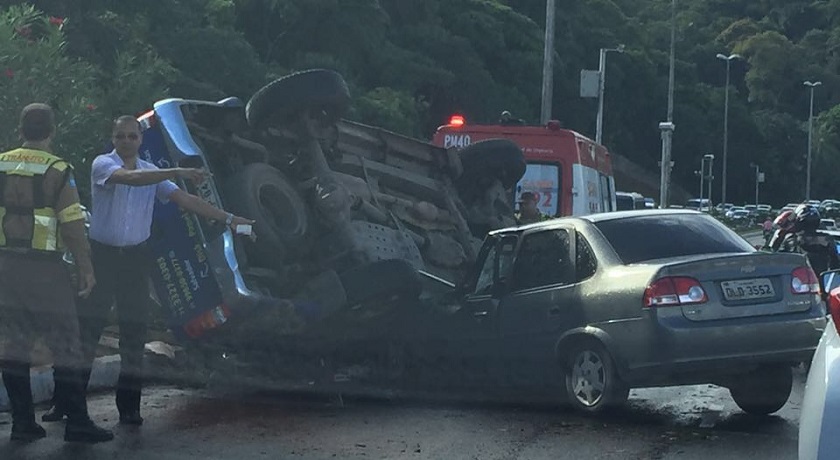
<point x="9" y="73"/>
<point x="56" y="21"/>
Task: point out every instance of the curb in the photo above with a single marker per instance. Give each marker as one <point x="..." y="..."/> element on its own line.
<point x="104" y="374"/>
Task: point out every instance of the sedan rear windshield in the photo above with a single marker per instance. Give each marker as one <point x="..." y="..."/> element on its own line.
<point x="643" y="238"/>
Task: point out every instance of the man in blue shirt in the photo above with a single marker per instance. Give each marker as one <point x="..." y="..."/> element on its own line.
<point x="124" y="188"/>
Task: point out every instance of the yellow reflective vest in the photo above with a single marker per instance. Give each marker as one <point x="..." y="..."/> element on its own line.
<point x="45" y="236"/>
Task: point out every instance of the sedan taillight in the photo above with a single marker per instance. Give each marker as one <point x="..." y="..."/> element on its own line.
<point x="804" y="281"/>
<point x="674" y="290"/>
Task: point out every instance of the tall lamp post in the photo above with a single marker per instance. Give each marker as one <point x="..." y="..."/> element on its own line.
<point x="728" y="60"/>
<point x="602" y="80"/>
<point x="812" y="85"/>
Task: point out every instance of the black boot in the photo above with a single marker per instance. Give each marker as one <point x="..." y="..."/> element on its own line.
<point x="16" y="381"/>
<point x="128" y="399"/>
<point x="86" y="431"/>
<point x="80" y="428"/>
<point x="64" y="381"/>
<point x="54" y="414"/>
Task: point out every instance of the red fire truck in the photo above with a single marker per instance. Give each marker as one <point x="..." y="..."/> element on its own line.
<point x="570" y="174"/>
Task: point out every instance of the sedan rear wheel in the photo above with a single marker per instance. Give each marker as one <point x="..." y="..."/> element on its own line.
<point x="765" y="391"/>
<point x="592" y="383"/>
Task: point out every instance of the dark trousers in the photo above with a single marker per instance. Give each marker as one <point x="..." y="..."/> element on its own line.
<point x="36" y="300"/>
<point x="122" y="280"/>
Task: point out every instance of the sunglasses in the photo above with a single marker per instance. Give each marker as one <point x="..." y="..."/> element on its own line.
<point x="131" y="137"/>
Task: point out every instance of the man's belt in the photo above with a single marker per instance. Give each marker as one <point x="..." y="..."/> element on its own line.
<point x="132" y="249"/>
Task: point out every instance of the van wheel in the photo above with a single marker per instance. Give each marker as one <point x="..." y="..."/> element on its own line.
<point x="322" y="93"/>
<point x="592" y="382"/>
<point x="262" y="193"/>
<point x="491" y="159"/>
<point x="765" y="391"/>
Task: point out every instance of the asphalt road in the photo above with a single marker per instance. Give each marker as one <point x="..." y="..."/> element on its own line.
<point x="685" y="423"/>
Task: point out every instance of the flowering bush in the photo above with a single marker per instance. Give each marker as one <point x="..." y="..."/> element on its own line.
<point x="36" y="69"/>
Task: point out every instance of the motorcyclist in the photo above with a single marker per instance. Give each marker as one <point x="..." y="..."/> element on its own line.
<point x="784" y="225"/>
<point x="820" y="249"/>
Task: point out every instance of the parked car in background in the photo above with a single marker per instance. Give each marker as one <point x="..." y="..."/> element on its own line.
<point x="731" y="211"/>
<point x="740" y="215"/>
<point x="788" y="207"/>
<point x="828" y="224"/>
<point x="830" y="208"/>
<point x="723" y="207"/>
<point x="764" y="208"/>
<point x="820" y="414"/>
<point x="650" y="203"/>
<point x="752" y="209"/>
<point x="627" y="201"/>
<point x="698" y="204"/>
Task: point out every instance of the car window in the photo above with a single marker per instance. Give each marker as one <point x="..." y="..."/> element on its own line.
<point x="585" y="263"/>
<point x="496" y="265"/>
<point x="543" y="260"/>
<point x="485" y="276"/>
<point x="638" y="239"/>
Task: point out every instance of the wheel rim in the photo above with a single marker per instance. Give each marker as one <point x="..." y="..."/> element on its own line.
<point x="588" y="378"/>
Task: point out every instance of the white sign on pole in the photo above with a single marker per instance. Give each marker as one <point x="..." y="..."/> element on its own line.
<point x="589" y="82"/>
<point x="761" y="177"/>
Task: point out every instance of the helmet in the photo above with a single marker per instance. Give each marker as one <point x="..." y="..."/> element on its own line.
<point x="807" y="217"/>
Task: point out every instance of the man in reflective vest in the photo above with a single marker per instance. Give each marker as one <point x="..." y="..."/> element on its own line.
<point x="529" y="213"/>
<point x="39" y="214"/>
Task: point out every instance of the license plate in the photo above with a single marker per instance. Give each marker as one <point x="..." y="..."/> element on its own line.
<point x="760" y="288"/>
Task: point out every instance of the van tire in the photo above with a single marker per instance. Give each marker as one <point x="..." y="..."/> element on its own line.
<point x="498" y="159"/>
<point x="262" y="193"/>
<point x="318" y="91"/>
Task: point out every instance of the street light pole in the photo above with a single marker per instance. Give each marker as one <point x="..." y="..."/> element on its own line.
<point x="602" y="80"/>
<point x="756" y="181"/>
<point x="728" y="60"/>
<point x="708" y="161"/>
<point x="812" y="85"/>
<point x="548" y="64"/>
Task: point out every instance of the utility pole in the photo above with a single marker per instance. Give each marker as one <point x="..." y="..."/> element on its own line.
<point x="810" y="134"/>
<point x="548" y="63"/>
<point x="667" y="127"/>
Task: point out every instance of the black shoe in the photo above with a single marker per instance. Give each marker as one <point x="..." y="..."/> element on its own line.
<point x="86" y="432"/>
<point x="27" y="432"/>
<point x="131" y="418"/>
<point x="53" y="415"/>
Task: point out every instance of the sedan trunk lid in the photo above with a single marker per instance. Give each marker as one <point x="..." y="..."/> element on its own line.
<point x="742" y="285"/>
